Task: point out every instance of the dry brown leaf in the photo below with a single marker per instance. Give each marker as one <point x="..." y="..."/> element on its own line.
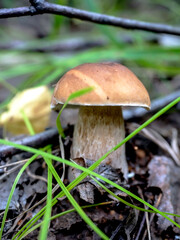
<point x="163" y="173"/>
<point x="87" y="186"/>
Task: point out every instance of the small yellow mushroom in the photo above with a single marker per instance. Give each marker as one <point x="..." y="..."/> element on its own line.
<point x="35" y="103"/>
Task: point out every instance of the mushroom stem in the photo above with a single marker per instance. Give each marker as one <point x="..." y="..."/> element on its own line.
<point x="99" y="128"/>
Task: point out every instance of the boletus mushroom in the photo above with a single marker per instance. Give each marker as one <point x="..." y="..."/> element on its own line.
<point x="100" y="124"/>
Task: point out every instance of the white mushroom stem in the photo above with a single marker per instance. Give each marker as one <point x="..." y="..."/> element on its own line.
<point x="99" y="128"/>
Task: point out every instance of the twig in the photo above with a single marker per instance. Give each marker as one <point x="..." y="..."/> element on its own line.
<point x="68" y="45"/>
<point x="55" y="151"/>
<point x="41" y="7"/>
<point x="116" y="231"/>
<point x="153" y="214"/>
<point x="10" y="171"/>
<point x="36" y="177"/>
<point x="62" y="152"/>
<point x="144" y="218"/>
<point x="174" y="142"/>
<point x="14" y="163"/>
<point x="19" y="219"/>
<point x="155" y="106"/>
<point x="140" y="228"/>
<point x="39" y="140"/>
<point x="35" y="205"/>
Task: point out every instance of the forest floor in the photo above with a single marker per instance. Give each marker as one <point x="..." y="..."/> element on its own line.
<point x="153" y="176"/>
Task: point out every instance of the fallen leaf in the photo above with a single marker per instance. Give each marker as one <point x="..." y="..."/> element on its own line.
<point x="165" y="174"/>
<point x="87" y="186"/>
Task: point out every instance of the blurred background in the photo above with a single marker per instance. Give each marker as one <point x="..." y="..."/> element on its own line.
<point x="38" y="50"/>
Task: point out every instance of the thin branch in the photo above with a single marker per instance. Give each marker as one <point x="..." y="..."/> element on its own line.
<point x="69" y="45"/>
<point x="155" y="106"/>
<point x="34" y="176"/>
<point x="39" y="140"/>
<point x="41" y="7"/>
<point x="10" y="171"/>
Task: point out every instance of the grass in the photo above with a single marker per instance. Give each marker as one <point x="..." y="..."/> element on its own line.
<point x="45" y="68"/>
<point x="41" y="69"/>
<point x="48" y="157"/>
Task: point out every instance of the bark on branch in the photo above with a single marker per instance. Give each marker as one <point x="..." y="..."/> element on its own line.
<point x="156" y="105"/>
<point x="39" y="140"/>
<point x="40" y="7"/>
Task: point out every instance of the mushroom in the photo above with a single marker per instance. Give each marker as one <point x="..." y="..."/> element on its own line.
<point x="100" y="124"/>
<point x="34" y="102"/>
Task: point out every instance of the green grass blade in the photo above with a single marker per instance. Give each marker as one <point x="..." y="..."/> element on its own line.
<point x="130" y="194"/>
<point x="36" y="78"/>
<point x="71" y="97"/>
<point x="64" y="213"/>
<point x="12" y="191"/>
<point x="51" y="77"/>
<point x="10" y="87"/>
<point x="20" y="70"/>
<point x="23" y="231"/>
<point x="47" y="215"/>
<point x="5" y="103"/>
<point x="106" y="30"/>
<point x="74" y="203"/>
<point x="84" y="174"/>
<point x="120" y="199"/>
<point x="28" y="123"/>
<point x="127" y="203"/>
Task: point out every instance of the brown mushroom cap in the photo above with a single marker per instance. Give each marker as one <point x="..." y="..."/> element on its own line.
<point x="114" y="85"/>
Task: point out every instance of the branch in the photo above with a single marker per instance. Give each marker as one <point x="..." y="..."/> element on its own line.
<point x="39" y="140"/>
<point x="156" y="105"/>
<point x="68" y="45"/>
<point x="41" y="7"/>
